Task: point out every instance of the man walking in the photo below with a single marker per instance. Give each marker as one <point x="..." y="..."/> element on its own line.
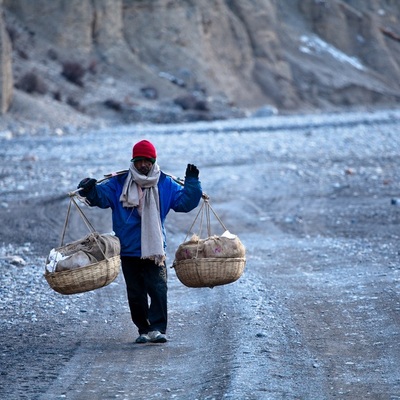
<point x="140" y="200"/>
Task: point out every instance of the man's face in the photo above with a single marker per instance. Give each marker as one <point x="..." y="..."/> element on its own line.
<point x="143" y="166"/>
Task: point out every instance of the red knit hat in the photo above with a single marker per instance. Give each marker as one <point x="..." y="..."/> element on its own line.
<point x="144" y="149"/>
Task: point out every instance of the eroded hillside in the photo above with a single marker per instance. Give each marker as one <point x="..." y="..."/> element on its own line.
<point x="126" y="61"/>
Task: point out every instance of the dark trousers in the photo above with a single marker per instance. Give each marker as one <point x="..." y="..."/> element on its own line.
<point x="146" y="281"/>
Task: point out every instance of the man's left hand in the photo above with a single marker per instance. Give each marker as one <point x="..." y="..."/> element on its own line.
<point x="192" y="171"/>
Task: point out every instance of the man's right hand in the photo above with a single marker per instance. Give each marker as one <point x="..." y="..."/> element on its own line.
<point x="86" y="185"/>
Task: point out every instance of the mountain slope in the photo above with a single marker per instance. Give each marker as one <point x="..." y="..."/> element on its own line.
<point x="167" y="61"/>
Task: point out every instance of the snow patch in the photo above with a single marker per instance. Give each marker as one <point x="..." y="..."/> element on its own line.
<point x="315" y="45"/>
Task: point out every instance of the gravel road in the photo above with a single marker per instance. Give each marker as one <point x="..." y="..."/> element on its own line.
<point x="316" y="314"/>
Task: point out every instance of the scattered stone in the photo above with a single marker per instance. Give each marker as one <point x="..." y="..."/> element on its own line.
<point x="113" y="105"/>
<point x="30" y="157"/>
<point x="172" y="79"/>
<point x="266" y="111"/>
<point x="149" y="92"/>
<point x="15" y="260"/>
<point x="7" y="135"/>
<point x="191" y="102"/>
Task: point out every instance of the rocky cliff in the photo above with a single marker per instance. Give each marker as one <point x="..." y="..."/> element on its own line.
<point x="6" y="77"/>
<point x="166" y="61"/>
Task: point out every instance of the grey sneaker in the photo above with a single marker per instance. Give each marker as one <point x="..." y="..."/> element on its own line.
<point x="157" y="337"/>
<point x="143" y="338"/>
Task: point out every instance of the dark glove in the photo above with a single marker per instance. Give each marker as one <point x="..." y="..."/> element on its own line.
<point x="87" y="185"/>
<point x="192" y="171"/>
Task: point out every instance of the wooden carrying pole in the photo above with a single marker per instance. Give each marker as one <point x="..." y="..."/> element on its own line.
<point x="108" y="176"/>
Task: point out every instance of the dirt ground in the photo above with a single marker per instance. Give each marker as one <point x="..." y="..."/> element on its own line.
<point x="316" y="314"/>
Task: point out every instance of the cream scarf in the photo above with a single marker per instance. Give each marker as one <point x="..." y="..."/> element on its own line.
<point x="141" y="191"/>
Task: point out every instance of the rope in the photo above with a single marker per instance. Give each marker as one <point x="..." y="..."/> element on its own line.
<point x="85" y="219"/>
<point x="65" y="224"/>
<point x="204" y="211"/>
<point x="216" y="216"/>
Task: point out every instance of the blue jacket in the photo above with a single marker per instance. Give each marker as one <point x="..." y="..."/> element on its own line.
<point x="127" y="222"/>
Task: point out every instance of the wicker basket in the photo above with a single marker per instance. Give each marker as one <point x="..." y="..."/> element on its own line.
<point x="201" y="271"/>
<point x="209" y="272"/>
<point x="86" y="278"/>
<point x="90" y="277"/>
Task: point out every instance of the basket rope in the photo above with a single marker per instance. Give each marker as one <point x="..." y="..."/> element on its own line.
<point x="83" y="216"/>
<point x="85" y="219"/>
<point x="204" y="211"/>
